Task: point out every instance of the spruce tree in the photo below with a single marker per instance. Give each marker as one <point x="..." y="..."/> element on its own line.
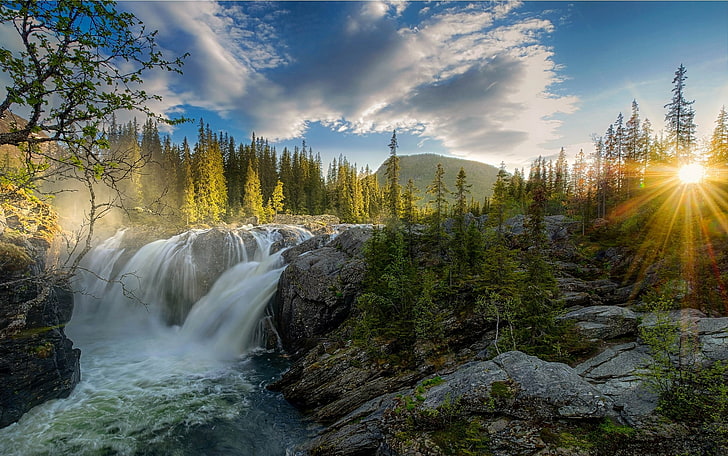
<point x="189" y="205"/>
<point x="718" y="153"/>
<point x="462" y="188"/>
<point x="209" y="176"/>
<point x="410" y="213"/>
<point x="680" y="120"/>
<point x="438" y="190"/>
<point x="252" y="196"/>
<point x="153" y="180"/>
<point x="276" y="199"/>
<point x="499" y="200"/>
<point x="393" y="188"/>
<point x="634" y="151"/>
<point x="580" y="196"/>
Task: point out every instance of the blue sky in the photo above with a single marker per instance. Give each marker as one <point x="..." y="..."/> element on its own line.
<point x="490" y="81"/>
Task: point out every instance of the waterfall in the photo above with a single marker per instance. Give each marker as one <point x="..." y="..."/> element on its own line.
<point x="167" y="365"/>
<point x="214" y="284"/>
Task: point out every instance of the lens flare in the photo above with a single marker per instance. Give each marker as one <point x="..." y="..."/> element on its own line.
<point x="694" y="173"/>
<point x="678" y="221"/>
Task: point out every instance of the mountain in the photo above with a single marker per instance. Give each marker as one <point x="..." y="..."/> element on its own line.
<point x="421" y="169"/>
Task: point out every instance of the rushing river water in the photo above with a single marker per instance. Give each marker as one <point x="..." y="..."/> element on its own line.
<point x="153" y="388"/>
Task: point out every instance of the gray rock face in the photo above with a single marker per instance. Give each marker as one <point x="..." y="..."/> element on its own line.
<point x="513" y="385"/>
<point x="359" y="433"/>
<point x="539" y="389"/>
<point x="37" y="360"/>
<point x="556" y="227"/>
<point x="578" y="292"/>
<point x="616" y="374"/>
<point x="332" y="385"/>
<point x="713" y="334"/>
<point x="603" y="322"/>
<point x="317" y="289"/>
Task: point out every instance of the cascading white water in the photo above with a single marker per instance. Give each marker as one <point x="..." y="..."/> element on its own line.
<point x="151" y="387"/>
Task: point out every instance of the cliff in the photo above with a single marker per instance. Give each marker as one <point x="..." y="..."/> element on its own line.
<point x="37" y="360"/>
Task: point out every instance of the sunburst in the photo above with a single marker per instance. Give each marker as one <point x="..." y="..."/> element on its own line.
<point x="685" y="211"/>
<point x="693" y="173"/>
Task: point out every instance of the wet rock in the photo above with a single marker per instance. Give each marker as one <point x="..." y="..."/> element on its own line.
<point x="37" y="360"/>
<point x="317" y="289"/>
<point x="359" y="433"/>
<point x="332" y="385"/>
<point x="313" y="243"/>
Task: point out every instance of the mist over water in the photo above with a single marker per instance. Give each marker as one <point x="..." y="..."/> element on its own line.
<point x="153" y="388"/>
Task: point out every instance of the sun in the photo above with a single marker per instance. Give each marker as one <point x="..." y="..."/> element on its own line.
<point x="693" y="173"/>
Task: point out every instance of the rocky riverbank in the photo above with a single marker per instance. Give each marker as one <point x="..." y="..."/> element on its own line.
<point x="473" y="400"/>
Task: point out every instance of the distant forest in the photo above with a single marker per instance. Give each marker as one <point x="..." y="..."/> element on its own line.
<point x="217" y="179"/>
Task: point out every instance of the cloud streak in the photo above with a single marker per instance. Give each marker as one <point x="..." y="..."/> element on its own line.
<point x="476" y="78"/>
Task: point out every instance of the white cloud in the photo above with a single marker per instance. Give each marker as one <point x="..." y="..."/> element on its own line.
<point x="463" y="75"/>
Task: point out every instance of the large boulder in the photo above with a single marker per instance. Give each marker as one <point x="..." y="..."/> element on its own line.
<point x="331" y="385"/>
<point x="533" y="389"/>
<point x="556" y="227"/>
<point x="317" y="289"/>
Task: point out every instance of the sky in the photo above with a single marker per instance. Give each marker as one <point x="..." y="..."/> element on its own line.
<point x="490" y="81"/>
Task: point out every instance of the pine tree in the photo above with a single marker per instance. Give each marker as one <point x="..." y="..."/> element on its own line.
<point x="409" y="204"/>
<point x="580" y="197"/>
<point x="462" y="188"/>
<point x="499" y="201"/>
<point x="517" y="190"/>
<point x="393" y="187"/>
<point x="718" y="153"/>
<point x="209" y="176"/>
<point x="680" y="120"/>
<point x="252" y="196"/>
<point x="189" y="205"/>
<point x="153" y="179"/>
<point x="171" y="165"/>
<point x="233" y="177"/>
<point x="597" y="175"/>
<point x="276" y="199"/>
<point x="560" y="187"/>
<point x="128" y="151"/>
<point x="634" y="151"/>
<point x="438" y="190"/>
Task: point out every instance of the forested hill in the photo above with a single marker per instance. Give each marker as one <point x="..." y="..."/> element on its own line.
<point x="421" y="169"/>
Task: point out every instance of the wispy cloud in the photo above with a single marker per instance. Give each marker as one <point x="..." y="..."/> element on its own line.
<point x="474" y="77"/>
